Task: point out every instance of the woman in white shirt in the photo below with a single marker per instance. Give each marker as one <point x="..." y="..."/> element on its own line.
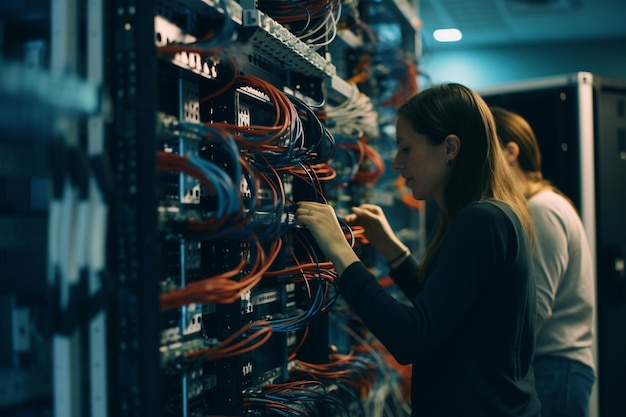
<point x="564" y="275"/>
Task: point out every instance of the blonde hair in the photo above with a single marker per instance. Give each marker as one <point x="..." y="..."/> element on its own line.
<point x="479" y="171"/>
<point x="512" y="127"/>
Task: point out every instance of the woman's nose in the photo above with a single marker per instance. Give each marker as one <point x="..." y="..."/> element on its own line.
<point x="396" y="164"/>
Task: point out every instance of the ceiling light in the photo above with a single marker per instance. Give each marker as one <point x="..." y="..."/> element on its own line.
<point x="447" y="35"/>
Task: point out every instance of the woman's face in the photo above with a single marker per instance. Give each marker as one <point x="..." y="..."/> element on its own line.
<point x="424" y="166"/>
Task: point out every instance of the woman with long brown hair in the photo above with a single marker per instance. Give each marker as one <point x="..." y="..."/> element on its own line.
<point x="470" y="330"/>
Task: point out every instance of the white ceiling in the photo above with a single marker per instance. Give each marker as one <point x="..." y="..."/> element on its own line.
<point x="507" y="22"/>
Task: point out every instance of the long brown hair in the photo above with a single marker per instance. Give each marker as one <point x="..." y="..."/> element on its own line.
<point x="479" y="171"/>
<point x="512" y="127"/>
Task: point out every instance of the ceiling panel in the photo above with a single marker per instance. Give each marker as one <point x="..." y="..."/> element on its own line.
<point x="504" y="22"/>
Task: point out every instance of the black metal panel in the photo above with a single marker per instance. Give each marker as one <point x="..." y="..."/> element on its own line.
<point x="134" y="324"/>
<point x="552" y="112"/>
<point x="610" y="123"/>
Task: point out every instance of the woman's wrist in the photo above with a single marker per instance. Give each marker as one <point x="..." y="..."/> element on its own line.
<point x="342" y="259"/>
<point x="392" y="250"/>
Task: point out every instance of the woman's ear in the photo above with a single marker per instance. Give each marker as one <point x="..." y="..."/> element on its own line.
<point x="453" y="145"/>
<point x="511" y="152"/>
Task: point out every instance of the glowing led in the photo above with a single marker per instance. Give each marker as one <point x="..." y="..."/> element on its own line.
<point x="447" y="35"/>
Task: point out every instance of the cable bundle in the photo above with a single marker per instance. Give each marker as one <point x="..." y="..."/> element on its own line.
<point x="349" y="154"/>
<point x="214" y="179"/>
<point x="371" y="168"/>
<point x="211" y="42"/>
<point x="322" y="295"/>
<point x="229" y="347"/>
<point x="356" y="116"/>
<point x="314" y="22"/>
<point x="295" y="398"/>
<point x="274" y="138"/>
<point x="219" y="180"/>
<point x="319" y="142"/>
<point x="368" y="166"/>
<point x="348" y="372"/>
<point x="227" y="287"/>
<point x="396" y="377"/>
<point x="296" y="142"/>
<point x="397" y="73"/>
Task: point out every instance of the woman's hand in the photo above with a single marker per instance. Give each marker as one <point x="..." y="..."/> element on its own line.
<point x="322" y="222"/>
<point x="377" y="230"/>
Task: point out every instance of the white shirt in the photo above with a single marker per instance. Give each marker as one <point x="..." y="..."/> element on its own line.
<point x="565" y="279"/>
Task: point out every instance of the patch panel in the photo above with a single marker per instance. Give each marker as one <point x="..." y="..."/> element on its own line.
<point x="261" y="35"/>
<point x="275" y="42"/>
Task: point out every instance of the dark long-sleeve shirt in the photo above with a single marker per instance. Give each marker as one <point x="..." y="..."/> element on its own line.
<point x="470" y="331"/>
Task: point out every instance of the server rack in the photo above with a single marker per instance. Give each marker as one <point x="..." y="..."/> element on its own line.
<point x="124" y="86"/>
<point x="198" y="100"/>
<point x="580" y="122"/>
